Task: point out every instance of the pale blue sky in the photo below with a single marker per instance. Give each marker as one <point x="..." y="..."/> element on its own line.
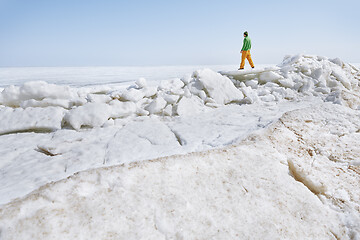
<point x="197" y="32"/>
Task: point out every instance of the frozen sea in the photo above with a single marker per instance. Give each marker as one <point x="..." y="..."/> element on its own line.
<point x="83" y="76"/>
<point x="181" y="152"/>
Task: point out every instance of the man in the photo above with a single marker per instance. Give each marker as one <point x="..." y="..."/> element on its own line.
<point x="245" y="52"/>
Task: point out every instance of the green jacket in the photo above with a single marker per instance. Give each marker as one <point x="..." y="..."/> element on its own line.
<point x="246" y="44"/>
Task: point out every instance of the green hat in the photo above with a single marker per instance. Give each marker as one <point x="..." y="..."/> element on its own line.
<point x="246" y="33"/>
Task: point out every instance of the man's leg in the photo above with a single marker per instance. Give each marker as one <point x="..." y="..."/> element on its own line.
<point x="243" y="57"/>
<point x="248" y="56"/>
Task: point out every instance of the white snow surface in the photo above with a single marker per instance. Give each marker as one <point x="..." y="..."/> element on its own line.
<point x="284" y="182"/>
<point x="285" y="163"/>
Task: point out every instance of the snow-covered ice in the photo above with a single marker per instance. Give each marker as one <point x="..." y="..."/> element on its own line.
<point x="37" y="119"/>
<point x="267" y="186"/>
<point x="285" y="163"/>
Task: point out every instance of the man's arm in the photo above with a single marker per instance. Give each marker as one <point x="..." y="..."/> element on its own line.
<point x="242" y="49"/>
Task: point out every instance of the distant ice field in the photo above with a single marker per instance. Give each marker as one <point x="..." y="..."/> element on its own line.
<point x="83" y="76"/>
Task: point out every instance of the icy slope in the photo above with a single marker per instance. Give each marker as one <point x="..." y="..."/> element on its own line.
<point x="30" y="160"/>
<point x="293" y="180"/>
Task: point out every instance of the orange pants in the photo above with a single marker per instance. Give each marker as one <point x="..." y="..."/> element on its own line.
<point x="247" y="55"/>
